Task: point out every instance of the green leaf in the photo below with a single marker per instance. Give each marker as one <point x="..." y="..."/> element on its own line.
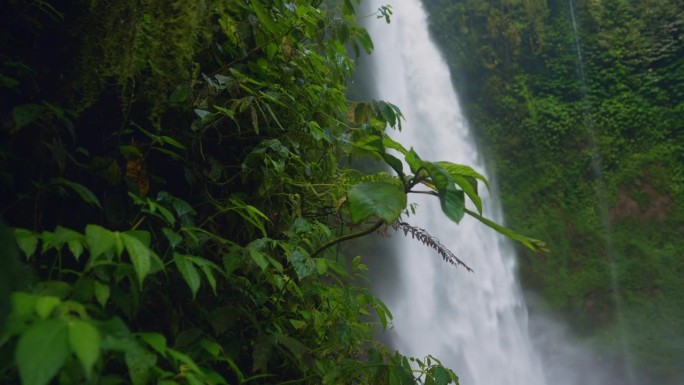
<point x="102" y="292"/>
<point x="453" y="202"/>
<point x="140" y="363"/>
<point x="46" y="305"/>
<point x="72" y="238"/>
<point x="156" y="341"/>
<point x="174" y="238"/>
<point x="257" y="256"/>
<point x="188" y="272"/>
<point x="264" y="18"/>
<point x="391" y="143"/>
<point x="84" y="340"/>
<point x="469" y="186"/>
<point x="441" y="375"/>
<point x="99" y="240"/>
<point x="208" y="268"/>
<point x="81" y="190"/>
<point x="172" y="141"/>
<point x="27" y="241"/>
<point x="181" y="357"/>
<point x="303" y="264"/>
<point x="414" y="161"/>
<point x="395" y="163"/>
<point x="139" y="254"/>
<point x="531" y="243"/>
<point x="25" y="114"/>
<point x="41" y="351"/>
<point x="382" y="199"/>
<point x="452" y="199"/>
<point x="439" y="176"/>
<point x="464" y="171"/>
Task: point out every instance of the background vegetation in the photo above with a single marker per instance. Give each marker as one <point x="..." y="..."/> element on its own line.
<point x="589" y="155"/>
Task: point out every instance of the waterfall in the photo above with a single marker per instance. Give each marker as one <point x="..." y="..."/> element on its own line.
<point x="476" y="323"/>
<point x="602" y="204"/>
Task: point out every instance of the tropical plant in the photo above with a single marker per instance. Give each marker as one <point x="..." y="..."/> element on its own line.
<point x="174" y="174"/>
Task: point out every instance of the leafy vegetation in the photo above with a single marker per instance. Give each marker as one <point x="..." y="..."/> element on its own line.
<point x="588" y="153"/>
<point x="176" y="176"/>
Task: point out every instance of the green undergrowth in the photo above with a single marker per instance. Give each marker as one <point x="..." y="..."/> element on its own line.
<point x="175" y="181"/>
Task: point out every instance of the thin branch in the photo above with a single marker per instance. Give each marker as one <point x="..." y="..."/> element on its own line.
<point x="347" y="237"/>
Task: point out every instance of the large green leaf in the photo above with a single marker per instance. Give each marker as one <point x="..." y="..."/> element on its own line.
<point x="102" y="293"/>
<point x="140" y="256"/>
<point x="140" y="363"/>
<point x="464" y="171"/>
<point x="469" y="186"/>
<point x="439" y="176"/>
<point x="414" y="161"/>
<point x="72" y="238"/>
<point x="42" y="351"/>
<point x="99" y="240"/>
<point x="453" y="202"/>
<point x="188" y="272"/>
<point x="84" y="340"/>
<point x="303" y="264"/>
<point x="452" y="199"/>
<point x="81" y="190"/>
<point x="208" y="267"/>
<point x="377" y="198"/>
<point x="531" y="243"/>
<point x="27" y="241"/>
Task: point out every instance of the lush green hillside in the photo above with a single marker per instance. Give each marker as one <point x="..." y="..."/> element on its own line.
<point x="589" y="157"/>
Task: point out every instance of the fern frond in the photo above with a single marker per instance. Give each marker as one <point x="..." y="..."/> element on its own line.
<point x="428" y="240"/>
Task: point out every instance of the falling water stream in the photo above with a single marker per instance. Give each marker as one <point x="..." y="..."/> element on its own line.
<point x="476" y="323"/>
<point x="602" y="202"/>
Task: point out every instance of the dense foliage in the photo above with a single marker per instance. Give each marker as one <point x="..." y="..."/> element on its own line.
<point x="582" y="106"/>
<point x="175" y="175"/>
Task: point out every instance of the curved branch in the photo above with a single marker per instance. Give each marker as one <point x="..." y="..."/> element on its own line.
<point x="347" y="237"/>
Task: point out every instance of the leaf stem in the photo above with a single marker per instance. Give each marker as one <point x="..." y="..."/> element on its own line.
<point x="348" y="237"/>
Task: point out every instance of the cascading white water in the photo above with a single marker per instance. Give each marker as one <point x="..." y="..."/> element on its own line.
<point x="476" y="323"/>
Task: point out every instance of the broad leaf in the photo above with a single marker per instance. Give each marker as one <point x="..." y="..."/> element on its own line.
<point x="453" y="202"/>
<point x="46" y="305"/>
<point x="303" y="264"/>
<point x="414" y="161"/>
<point x="81" y="190"/>
<point x="84" y="340"/>
<point x="139" y="254"/>
<point x="188" y="272"/>
<point x="156" y="341"/>
<point x="531" y="243"/>
<point x="140" y="363"/>
<point x="463" y="170"/>
<point x="470" y="189"/>
<point x="172" y="236"/>
<point x="24" y="114"/>
<point x="377" y="198"/>
<point x="27" y="241"/>
<point x="42" y="351"/>
<point x="208" y="268"/>
<point x="102" y="292"/>
<point x="72" y="238"/>
<point x="99" y="240"/>
<point x="439" y="176"/>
